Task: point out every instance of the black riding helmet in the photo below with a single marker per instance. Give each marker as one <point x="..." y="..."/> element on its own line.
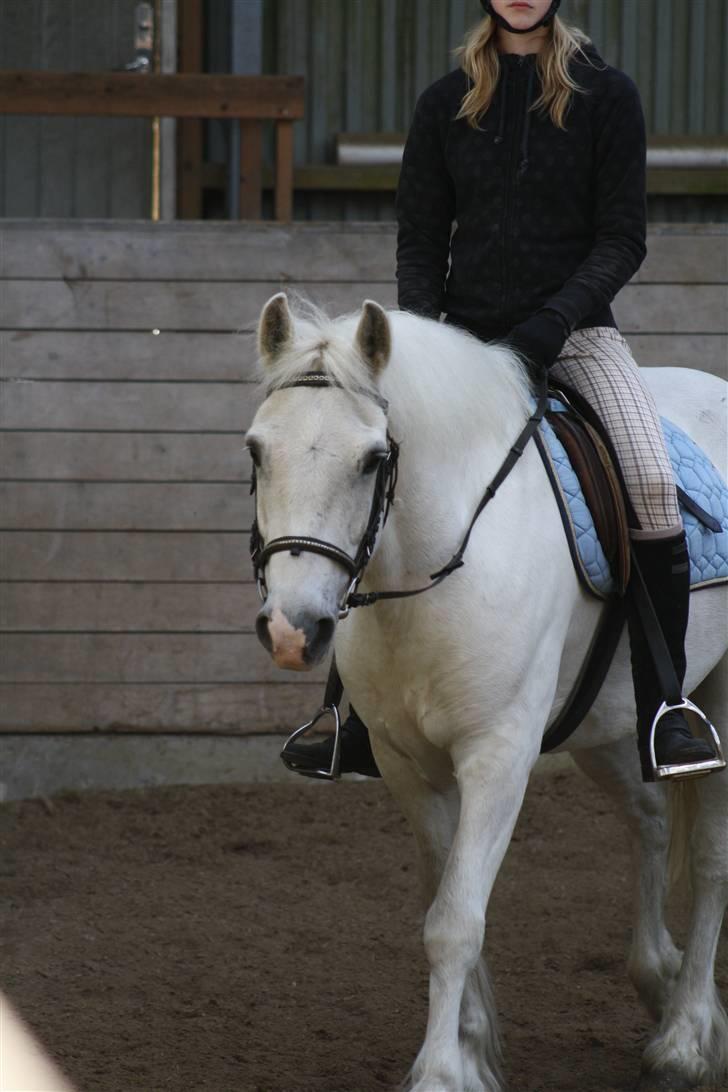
<point x="488" y="9"/>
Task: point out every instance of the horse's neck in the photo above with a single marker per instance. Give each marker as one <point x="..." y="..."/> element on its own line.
<point x="448" y="392"/>
<point x="455" y="418"/>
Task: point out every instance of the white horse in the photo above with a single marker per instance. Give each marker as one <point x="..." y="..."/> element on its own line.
<point x="458" y="685"/>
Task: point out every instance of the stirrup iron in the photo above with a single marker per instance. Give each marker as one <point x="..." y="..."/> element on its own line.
<point x="330" y="774"/>
<point x="684" y="770"/>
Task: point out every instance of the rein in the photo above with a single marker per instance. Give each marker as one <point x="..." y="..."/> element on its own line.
<point x="384" y="490"/>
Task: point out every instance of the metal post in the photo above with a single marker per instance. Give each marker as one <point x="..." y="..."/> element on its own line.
<point x="168" y="135"/>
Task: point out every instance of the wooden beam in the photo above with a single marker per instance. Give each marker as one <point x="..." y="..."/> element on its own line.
<point x="251" y="170"/>
<point x="692" y="181"/>
<point x="284" y="171"/>
<point x="126" y="94"/>
<point x="375" y="178"/>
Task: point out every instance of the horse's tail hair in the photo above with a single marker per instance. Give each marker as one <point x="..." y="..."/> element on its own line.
<point x="683" y="809"/>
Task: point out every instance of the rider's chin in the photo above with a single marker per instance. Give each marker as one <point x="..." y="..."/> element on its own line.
<point x="298" y="643"/>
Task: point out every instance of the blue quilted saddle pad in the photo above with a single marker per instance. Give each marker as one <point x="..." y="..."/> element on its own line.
<point x="694" y="472"/>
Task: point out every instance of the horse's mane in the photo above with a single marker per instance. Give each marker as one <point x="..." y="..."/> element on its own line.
<point x="486" y="378"/>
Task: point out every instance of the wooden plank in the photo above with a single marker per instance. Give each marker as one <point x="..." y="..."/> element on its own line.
<point x="252" y="252"/>
<point x="284" y="171"/>
<point x="190" y="305"/>
<point x="251" y="167"/>
<point x="384" y="178"/>
<point x="672" y="308"/>
<point x="244" y="708"/>
<point x="126" y="355"/>
<point x="689" y="258"/>
<point x="709" y="353"/>
<point x="694" y="253"/>
<point x="48" y="607"/>
<point x="139" y="658"/>
<point x="696" y="182"/>
<point x="668" y="308"/>
<point x="98" y="456"/>
<point x="126" y="94"/>
<point x="144" y="555"/>
<point x="125" y="407"/>
<point x="125" y="506"/>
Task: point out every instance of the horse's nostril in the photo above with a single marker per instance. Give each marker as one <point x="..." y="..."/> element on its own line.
<point x="261" y="628"/>
<point x="325" y="629"/>
<point x="320" y="637"/>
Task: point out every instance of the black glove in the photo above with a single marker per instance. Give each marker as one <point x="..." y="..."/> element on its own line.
<point x="539" y="339"/>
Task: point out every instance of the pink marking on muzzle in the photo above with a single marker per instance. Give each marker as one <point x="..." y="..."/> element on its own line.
<point x="288" y="644"/>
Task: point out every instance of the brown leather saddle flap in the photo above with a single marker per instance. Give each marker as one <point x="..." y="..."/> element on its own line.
<point x="601" y="487"/>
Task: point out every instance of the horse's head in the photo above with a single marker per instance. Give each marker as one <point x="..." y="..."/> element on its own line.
<point x="317" y="451"/>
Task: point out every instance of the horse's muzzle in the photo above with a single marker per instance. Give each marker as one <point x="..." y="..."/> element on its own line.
<point x="297" y="643"/>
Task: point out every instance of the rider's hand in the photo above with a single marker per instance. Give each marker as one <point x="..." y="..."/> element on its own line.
<point x="539" y="339"/>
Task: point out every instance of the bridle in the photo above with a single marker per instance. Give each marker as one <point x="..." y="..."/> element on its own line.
<point x="384" y="488"/>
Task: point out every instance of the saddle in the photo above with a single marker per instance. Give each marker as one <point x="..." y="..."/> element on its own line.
<point x="595" y="465"/>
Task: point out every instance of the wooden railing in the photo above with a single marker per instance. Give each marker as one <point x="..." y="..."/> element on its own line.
<point x="250" y="99"/>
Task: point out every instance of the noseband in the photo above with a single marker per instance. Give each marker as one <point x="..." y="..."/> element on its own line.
<point x="384" y="487"/>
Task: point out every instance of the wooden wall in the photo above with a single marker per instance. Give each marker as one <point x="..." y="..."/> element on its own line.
<point x="125" y="593"/>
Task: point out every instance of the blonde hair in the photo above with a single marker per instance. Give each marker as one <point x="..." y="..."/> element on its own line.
<point x="480" y="60"/>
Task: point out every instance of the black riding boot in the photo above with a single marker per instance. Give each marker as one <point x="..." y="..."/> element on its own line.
<point x="665" y="566"/>
<point x="355" y="756"/>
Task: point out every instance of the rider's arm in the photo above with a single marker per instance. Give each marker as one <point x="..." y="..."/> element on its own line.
<point x="619" y="225"/>
<point x="425" y="205"/>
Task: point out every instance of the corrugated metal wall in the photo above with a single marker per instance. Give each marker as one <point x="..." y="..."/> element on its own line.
<point x="85" y="167"/>
<point x="367" y="60"/>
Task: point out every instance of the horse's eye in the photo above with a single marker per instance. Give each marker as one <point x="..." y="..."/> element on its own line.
<point x="254" y="453"/>
<point x="372" y="461"/>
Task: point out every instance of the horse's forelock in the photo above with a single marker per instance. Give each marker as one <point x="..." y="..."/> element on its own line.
<point x="320" y="344"/>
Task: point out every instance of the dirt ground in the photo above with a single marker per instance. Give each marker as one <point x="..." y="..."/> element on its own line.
<point x="267" y="939"/>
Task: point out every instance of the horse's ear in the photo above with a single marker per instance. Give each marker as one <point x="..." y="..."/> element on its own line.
<point x="373" y="336"/>
<point x="275" y="328"/>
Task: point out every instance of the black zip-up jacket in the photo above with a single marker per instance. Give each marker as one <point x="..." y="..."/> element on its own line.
<point x="545" y="218"/>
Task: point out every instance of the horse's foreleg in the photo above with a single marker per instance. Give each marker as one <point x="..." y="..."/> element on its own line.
<point x="492" y="773"/>
<point x="691" y="1045"/>
<point x="654" y="961"/>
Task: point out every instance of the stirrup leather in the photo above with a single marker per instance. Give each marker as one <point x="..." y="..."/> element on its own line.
<point x="684" y="770"/>
<point x="290" y="761"/>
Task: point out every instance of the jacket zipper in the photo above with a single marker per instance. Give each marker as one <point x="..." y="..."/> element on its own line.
<point x="510" y="183"/>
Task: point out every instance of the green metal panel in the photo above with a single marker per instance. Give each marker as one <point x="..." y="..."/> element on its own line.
<point x="365" y="62"/>
<point x="85" y="167"/>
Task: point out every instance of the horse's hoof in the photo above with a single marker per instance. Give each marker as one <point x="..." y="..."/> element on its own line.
<point x="666" y="1080"/>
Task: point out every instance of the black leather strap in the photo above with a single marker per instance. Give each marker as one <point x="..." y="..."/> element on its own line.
<point x="297" y="544"/>
<point x="591" y="677"/>
<point x="334" y="686"/>
<point x="700" y="514"/>
<point x="669" y="684"/>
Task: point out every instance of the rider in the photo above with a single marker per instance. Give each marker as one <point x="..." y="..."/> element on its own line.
<point x="536" y="149"/>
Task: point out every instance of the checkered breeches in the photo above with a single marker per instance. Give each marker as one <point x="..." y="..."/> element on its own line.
<point x="597" y="363"/>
